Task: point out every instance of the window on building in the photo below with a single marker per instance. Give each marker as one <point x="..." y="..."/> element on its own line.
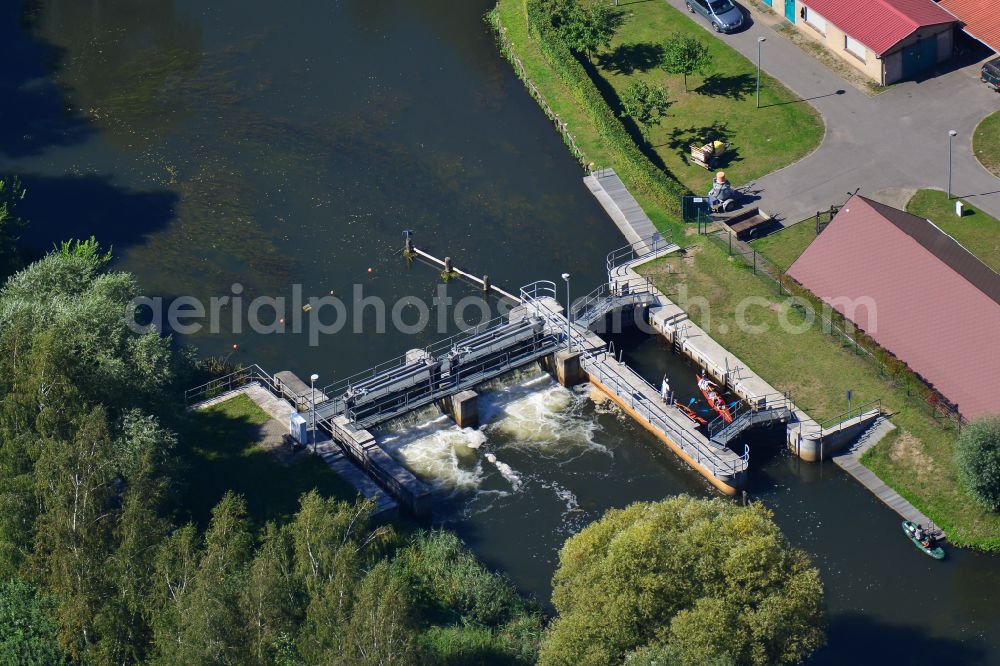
<point x="854" y="46"/>
<point x="814" y="19"/>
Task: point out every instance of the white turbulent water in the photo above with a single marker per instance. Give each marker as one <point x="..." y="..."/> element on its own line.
<point x="529" y="417"/>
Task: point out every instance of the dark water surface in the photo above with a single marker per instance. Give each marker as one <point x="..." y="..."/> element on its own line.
<point x="279" y="144"/>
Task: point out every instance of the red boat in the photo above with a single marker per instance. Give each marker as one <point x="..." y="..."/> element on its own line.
<point x="688" y="412"/>
<point x="714" y="398"/>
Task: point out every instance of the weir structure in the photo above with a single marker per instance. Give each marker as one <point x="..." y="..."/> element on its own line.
<point x="539" y="330"/>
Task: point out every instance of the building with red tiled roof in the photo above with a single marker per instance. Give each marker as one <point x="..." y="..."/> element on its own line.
<point x="917" y="292"/>
<point x="888" y="40"/>
<point x="980" y="17"/>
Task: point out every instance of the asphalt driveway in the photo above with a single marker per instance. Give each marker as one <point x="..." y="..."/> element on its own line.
<point x="887" y="145"/>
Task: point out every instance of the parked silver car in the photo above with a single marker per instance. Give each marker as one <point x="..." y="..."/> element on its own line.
<point x="722" y="14"/>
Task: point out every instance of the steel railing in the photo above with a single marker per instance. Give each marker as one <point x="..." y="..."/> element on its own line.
<point x="609" y="296"/>
<point x="840" y="419"/>
<point x="644" y="248"/>
<point x="660" y="418"/>
<point x="231" y="382"/>
<point x="746" y="411"/>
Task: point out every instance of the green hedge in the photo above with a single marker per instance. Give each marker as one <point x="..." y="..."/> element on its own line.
<point x="629" y="162"/>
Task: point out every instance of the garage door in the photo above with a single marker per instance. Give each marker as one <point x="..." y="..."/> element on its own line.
<point x="919" y="56"/>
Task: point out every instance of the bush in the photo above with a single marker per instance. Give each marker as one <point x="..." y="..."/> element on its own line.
<point x="978" y="456"/>
<point x="632" y="165"/>
<point x="687" y="581"/>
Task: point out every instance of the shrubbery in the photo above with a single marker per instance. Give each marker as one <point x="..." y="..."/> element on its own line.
<point x="977" y="453"/>
<point x="630" y="162"/>
<point x="684" y="581"/>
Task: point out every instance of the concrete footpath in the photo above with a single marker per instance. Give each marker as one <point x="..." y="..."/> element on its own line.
<point x="895" y="141"/>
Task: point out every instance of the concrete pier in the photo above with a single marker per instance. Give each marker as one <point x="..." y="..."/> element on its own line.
<point x="463" y="408"/>
<point x="567" y="369"/>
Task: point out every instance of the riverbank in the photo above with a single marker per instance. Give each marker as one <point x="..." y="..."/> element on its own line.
<point x="915" y="460"/>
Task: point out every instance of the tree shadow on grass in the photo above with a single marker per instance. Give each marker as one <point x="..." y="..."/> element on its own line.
<point x="736" y="87"/>
<point x="221" y="454"/>
<point x="627" y="58"/>
<point x="681" y="139"/>
<point x="614" y="102"/>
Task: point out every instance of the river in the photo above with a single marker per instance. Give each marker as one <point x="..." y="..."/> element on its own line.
<point x="269" y="145"/>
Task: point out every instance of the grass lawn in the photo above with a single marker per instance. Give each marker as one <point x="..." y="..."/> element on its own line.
<point x="917" y="461"/>
<point x="975" y="230"/>
<point x="784" y="247"/>
<point x="556" y="94"/>
<point x="818" y="370"/>
<point x="986" y="143"/>
<point x="225" y="454"/>
<point x="720" y="104"/>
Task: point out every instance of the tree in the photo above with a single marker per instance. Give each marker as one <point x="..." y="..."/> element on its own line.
<point x="645" y="104"/>
<point x="702" y="581"/>
<point x="10" y="225"/>
<point x="28" y="633"/>
<point x="585" y="30"/>
<point x="977" y="453"/>
<point x="685" y="54"/>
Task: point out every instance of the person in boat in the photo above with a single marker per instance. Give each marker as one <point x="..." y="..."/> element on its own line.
<point x="919" y="533"/>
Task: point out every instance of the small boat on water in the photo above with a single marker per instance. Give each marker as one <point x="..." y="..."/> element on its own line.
<point x="690" y="413"/>
<point x="928" y="546"/>
<point x="714" y="398"/>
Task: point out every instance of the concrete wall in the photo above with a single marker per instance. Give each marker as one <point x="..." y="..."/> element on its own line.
<point x="883" y="71"/>
<point x="815" y="446"/>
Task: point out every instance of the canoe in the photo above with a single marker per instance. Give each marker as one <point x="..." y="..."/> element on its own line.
<point x="715" y="401"/>
<point x="688" y="412"/>
<point x="937" y="552"/>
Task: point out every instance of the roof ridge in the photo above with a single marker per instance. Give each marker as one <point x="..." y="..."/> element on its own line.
<point x="981" y="276"/>
<point x="891" y="5"/>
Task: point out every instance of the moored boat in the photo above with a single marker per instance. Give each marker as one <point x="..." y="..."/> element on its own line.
<point x="937" y="552"/>
<point x="714" y="398"/>
<point x="690" y="413"/>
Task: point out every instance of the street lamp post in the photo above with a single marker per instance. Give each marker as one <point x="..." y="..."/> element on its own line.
<point x="760" y="40"/>
<point x="569" y="331"/>
<point x="312" y="405"/>
<point x="951" y="137"/>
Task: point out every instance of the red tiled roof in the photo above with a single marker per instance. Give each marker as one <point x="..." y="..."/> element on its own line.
<point x="917" y="292"/>
<point x="980" y="18"/>
<point x="880" y="24"/>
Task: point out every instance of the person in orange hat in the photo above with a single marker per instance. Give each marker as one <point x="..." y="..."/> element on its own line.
<point x="721" y="189"/>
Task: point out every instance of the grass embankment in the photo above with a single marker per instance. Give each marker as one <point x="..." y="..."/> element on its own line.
<point x="986" y="143"/>
<point x="228" y="455"/>
<point x="917" y="460"/>
<point x="975" y="230"/>
<point x="784" y="247"/>
<point x="720" y="104"/>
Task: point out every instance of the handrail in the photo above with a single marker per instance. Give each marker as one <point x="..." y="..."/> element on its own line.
<point x="432" y="349"/>
<point x="605" y="296"/>
<point x="841" y="418"/>
<point x="230" y="382"/>
<point x="623" y="255"/>
<point x="660" y="418"/>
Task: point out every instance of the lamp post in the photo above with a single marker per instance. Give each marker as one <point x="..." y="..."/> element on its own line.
<point x="569" y="331"/>
<point x="760" y="40"/>
<point x="312" y="405"/>
<point x="951" y="137"/>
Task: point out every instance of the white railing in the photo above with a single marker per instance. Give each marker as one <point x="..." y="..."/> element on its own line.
<point x="659" y="418"/>
<point x="655" y="245"/>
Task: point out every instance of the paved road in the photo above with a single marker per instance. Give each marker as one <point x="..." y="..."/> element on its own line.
<point x="896" y="141"/>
